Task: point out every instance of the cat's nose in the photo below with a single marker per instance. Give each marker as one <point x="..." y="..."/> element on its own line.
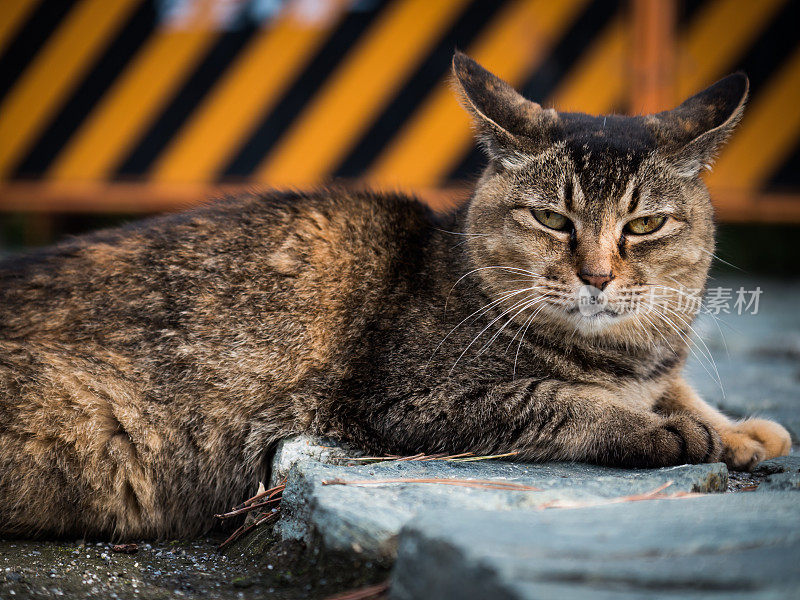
<point x="598" y="280"/>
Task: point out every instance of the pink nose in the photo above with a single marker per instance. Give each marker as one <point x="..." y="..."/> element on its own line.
<point x="598" y="280"/>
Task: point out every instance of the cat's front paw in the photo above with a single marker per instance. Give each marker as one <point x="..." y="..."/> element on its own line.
<point x="749" y="442"/>
<point x="685" y="438"/>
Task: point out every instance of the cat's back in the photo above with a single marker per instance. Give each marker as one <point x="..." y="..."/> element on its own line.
<point x="237" y="256"/>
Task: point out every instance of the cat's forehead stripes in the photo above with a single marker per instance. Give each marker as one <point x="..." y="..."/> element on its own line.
<point x="568" y="192"/>
<point x="630" y="199"/>
<point x="633" y="204"/>
<point x="603" y="193"/>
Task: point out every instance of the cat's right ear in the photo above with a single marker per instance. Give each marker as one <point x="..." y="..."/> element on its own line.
<point x="690" y="135"/>
<point x="510" y="127"/>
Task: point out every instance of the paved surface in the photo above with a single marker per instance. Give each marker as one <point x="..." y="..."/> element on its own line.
<point x="365" y="519"/>
<point x="258" y="568"/>
<point x="92" y="570"/>
<point x="722" y="546"/>
<point x="782" y="474"/>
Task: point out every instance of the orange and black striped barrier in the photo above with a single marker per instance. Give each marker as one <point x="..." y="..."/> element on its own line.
<point x="146" y="105"/>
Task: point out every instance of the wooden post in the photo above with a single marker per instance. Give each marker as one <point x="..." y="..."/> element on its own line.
<point x="653" y="55"/>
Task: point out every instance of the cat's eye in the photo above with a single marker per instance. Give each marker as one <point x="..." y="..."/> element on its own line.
<point x="552" y="219"/>
<point x="644" y="225"/>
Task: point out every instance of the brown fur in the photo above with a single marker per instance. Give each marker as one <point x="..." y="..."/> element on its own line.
<point x="147" y="371"/>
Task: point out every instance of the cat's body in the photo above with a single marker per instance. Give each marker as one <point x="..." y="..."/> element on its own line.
<point x="145" y="373"/>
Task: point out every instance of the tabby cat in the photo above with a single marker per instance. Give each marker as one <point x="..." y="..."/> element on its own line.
<point x="146" y="372"/>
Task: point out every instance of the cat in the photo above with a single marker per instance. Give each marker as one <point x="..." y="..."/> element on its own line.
<point x="146" y="372"/>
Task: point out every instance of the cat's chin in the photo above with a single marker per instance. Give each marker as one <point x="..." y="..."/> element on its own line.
<point x="603" y="323"/>
<point x="596" y="324"/>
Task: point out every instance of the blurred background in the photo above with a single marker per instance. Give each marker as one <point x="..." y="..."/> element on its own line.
<point x="114" y="109"/>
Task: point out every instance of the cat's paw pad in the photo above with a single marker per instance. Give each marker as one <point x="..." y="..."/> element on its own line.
<point x="749" y="442"/>
<point x="683" y="438"/>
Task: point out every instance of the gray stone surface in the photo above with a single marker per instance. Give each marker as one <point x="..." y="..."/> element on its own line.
<point x="757" y="356"/>
<point x="781" y="482"/>
<point x="304" y="448"/>
<point x="782" y="464"/>
<point x="782" y="474"/>
<point x="716" y="546"/>
<point x="366" y="518"/>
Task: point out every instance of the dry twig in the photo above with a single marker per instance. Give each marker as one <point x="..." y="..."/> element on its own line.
<point x="654" y="494"/>
<point x="240" y="511"/>
<point x="272" y="495"/>
<point x="271" y="492"/>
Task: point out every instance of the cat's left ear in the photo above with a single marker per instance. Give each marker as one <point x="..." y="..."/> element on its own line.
<point x="510" y="127"/>
<point x="691" y="135"/>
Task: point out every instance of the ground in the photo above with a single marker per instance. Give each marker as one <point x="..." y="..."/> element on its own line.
<point x="190" y="570"/>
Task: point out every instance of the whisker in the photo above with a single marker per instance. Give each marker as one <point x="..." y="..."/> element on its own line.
<point x="725" y="262"/>
<point x="688" y="341"/>
<point x="475" y="339"/>
<point x="659" y="332"/>
<point x="478" y="313"/>
<point x="522" y="337"/>
<point x="463" y="233"/>
<point x="700" y="339"/>
<point x="516" y="270"/>
<point x="717" y="321"/>
<point x="527" y="305"/>
<point x="702" y="307"/>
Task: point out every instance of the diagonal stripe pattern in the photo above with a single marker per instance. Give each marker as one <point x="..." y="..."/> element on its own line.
<point x="251" y="87"/>
<point x="357" y="91"/>
<point x="351" y="88"/>
<point x="134" y="101"/>
<point x="512" y="46"/>
<point x="54" y="72"/>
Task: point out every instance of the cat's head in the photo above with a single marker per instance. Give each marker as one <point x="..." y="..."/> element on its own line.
<point x="571" y="204"/>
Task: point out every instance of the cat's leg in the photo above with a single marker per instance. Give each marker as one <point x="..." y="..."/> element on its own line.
<point x="746" y="442"/>
<point x="542" y="420"/>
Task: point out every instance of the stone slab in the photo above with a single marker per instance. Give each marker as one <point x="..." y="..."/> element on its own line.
<point x="366" y="519"/>
<point x="305" y="448"/>
<point x="782" y="474"/>
<point x="782" y="464"/>
<point x="714" y="546"/>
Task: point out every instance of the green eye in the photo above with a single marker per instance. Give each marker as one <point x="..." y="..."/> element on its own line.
<point x="552" y="219"/>
<point x="644" y="225"/>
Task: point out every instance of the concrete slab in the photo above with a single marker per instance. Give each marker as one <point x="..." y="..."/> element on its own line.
<point x="366" y="519"/>
<point x="715" y="546"/>
<point x="782" y="474"/>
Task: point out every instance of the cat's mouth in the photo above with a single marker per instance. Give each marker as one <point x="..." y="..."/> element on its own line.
<point x="603" y="312"/>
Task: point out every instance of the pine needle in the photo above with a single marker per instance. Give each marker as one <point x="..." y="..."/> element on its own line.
<point x="473" y="483"/>
<point x="245" y="529"/>
<point x="654" y="494"/>
<point x="463" y="457"/>
<point x="247" y="509"/>
<point x="475" y="458"/>
<point x="270" y="493"/>
<point x="264" y="499"/>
